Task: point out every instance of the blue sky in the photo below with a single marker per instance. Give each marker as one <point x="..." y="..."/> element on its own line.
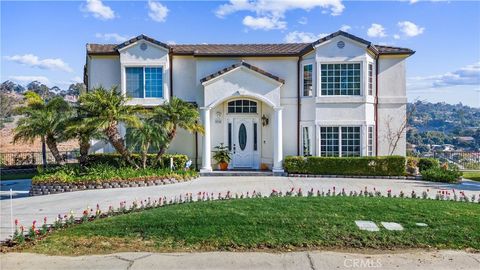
<point x="46" y="40"/>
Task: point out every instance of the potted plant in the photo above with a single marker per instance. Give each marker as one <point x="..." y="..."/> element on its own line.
<point x="221" y="155"/>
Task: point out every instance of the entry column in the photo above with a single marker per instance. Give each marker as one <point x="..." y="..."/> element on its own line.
<point x="206" y="154"/>
<point x="277" y="140"/>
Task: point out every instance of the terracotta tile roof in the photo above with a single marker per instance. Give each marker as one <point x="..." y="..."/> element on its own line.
<point x="244" y="64"/>
<point x="279" y="49"/>
<point x="393" y="50"/>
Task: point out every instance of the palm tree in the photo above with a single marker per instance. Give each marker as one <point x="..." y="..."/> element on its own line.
<point x="44" y="120"/>
<point x="78" y="128"/>
<point x="172" y="115"/>
<point x="149" y="135"/>
<point x="106" y="109"/>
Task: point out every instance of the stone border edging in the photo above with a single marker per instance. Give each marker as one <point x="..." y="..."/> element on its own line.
<point x="55" y="188"/>
<point x="419" y="177"/>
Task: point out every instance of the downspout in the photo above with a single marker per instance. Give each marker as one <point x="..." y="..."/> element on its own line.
<point x="298" y="106"/>
<point x="376" y="104"/>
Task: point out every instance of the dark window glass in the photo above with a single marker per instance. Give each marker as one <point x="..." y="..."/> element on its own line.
<point x="254" y="136"/>
<point x="230" y="136"/>
<point x="242" y="137"/>
<point x="242" y="106"/>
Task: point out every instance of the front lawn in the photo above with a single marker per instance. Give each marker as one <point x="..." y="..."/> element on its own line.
<point x="284" y="223"/>
<point x="473" y="175"/>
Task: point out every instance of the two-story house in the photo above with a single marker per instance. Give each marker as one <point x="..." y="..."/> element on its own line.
<point x="338" y="96"/>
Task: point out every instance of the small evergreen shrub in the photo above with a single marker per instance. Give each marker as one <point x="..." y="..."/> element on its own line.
<point x="116" y="160"/>
<point x="427" y="163"/>
<point x="438" y="174"/>
<point x="375" y="166"/>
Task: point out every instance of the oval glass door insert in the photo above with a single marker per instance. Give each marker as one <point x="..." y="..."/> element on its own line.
<point x="242" y="137"/>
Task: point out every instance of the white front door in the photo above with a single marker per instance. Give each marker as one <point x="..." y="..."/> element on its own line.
<point x="242" y="150"/>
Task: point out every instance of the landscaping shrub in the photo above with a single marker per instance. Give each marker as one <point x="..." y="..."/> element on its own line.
<point x="100" y="173"/>
<point x="412" y="166"/>
<point x="116" y="160"/>
<point x="427" y="163"/>
<point x="438" y="174"/>
<point x="380" y="166"/>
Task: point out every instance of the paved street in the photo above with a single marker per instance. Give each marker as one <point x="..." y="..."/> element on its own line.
<point x="314" y="260"/>
<point x="27" y="209"/>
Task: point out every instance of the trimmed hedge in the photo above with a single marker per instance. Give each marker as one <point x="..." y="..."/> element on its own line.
<point x="375" y="166"/>
<point x="427" y="163"/>
<point x="437" y="174"/>
<point x="116" y="160"/>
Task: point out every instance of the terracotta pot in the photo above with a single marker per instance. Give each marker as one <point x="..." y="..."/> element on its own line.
<point x="223" y="166"/>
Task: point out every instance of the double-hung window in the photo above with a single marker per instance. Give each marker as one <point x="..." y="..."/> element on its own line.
<point x="340" y="79"/>
<point x="308" y="80"/>
<point x="340" y="141"/>
<point x="370" y="141"/>
<point x="144" y="82"/>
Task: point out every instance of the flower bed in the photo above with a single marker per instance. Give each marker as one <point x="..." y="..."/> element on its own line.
<point x="73" y="178"/>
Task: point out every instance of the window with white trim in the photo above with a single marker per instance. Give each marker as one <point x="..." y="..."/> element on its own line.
<point x="144" y="82"/>
<point x="242" y="106"/>
<point x="340" y="79"/>
<point x="306" y="142"/>
<point x="308" y="80"/>
<point x="340" y="141"/>
<point x="370" y="79"/>
<point x="370" y="141"/>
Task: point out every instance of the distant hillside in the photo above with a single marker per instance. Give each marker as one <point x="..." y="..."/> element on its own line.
<point x="442" y="123"/>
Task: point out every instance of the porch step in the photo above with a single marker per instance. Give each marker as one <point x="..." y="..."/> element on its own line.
<point x="238" y="173"/>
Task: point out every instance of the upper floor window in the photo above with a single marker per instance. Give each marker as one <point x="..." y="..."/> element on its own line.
<point x="340" y="79"/>
<point x="144" y="82"/>
<point x="307" y="80"/>
<point x="370" y="79"/>
<point x="242" y="106"/>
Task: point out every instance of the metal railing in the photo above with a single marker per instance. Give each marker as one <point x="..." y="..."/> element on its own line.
<point x="464" y="160"/>
<point x="24" y="159"/>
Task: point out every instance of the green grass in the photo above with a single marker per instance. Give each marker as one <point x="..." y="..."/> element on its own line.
<point x="17" y="176"/>
<point x="274" y="223"/>
<point x="475" y="176"/>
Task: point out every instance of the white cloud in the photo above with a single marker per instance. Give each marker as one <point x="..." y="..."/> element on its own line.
<point x="468" y="75"/>
<point x="302" y="37"/>
<point x="157" y="11"/>
<point x="396" y="36"/>
<point x="171" y="42"/>
<point x="410" y="29"/>
<point x="47" y="63"/>
<point x="99" y="10"/>
<point x="376" y="30"/>
<point x="413" y="1"/>
<point x="264" y="23"/>
<point x="112" y="36"/>
<point x="345" y="28"/>
<point x="303" y="20"/>
<point x="28" y="79"/>
<point x="272" y="12"/>
<point x="76" y="79"/>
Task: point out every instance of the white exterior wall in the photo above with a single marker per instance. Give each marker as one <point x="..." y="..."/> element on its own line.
<point x="316" y="111"/>
<point x="392" y="104"/>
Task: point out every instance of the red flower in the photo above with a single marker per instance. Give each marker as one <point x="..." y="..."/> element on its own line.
<point x="16" y="222"/>
<point x="45" y="220"/>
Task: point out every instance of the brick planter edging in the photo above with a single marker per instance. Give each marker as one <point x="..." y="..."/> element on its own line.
<point x="54" y="188"/>
<point x="418" y="177"/>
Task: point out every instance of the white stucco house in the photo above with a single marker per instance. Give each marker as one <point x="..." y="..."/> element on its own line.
<point x="338" y="96"/>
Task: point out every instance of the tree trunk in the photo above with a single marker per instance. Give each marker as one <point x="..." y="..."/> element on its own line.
<point x="163" y="149"/>
<point x="52" y="146"/>
<point x="144" y="155"/>
<point x="84" y="143"/>
<point x="118" y="143"/>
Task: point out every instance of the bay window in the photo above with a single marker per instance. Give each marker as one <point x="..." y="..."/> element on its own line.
<point x="306" y="142"/>
<point x="340" y="79"/>
<point x="144" y="82"/>
<point x="370" y="141"/>
<point x="370" y="79"/>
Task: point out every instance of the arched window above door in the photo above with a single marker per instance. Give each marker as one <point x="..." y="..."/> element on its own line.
<point x="242" y="106"/>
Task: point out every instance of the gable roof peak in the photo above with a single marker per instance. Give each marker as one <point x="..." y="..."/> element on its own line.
<point x="141" y="37"/>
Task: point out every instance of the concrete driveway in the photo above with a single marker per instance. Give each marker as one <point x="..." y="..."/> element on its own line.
<point x="314" y="260"/>
<point x="27" y="209"/>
